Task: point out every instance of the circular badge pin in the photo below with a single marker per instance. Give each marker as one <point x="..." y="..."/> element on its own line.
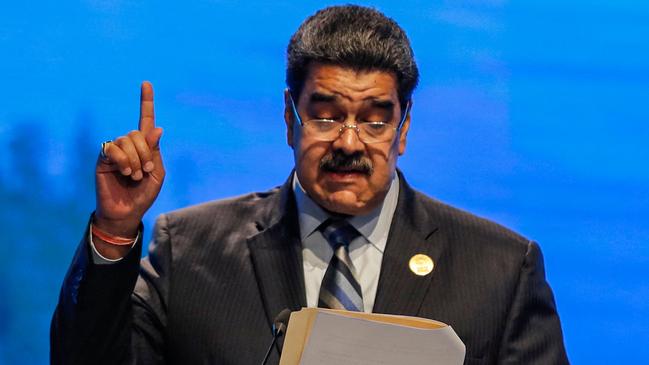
<point x="421" y="264"/>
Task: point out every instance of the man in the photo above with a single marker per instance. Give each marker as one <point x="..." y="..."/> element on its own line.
<point x="339" y="233"/>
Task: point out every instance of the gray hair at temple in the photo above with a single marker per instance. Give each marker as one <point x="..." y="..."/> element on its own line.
<point x="352" y="36"/>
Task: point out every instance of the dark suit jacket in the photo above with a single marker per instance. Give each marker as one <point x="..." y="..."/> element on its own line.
<point x="218" y="273"/>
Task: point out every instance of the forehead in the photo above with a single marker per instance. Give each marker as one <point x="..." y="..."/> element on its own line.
<point x="349" y="85"/>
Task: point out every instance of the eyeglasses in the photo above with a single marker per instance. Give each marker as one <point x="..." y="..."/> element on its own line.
<point x="328" y="130"/>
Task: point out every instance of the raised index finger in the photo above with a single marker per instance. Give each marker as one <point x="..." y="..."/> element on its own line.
<point x="147" y="118"/>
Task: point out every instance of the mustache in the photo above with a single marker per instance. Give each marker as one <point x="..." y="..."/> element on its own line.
<point x="338" y="161"/>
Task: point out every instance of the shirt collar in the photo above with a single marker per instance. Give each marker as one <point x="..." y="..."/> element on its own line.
<point x="374" y="226"/>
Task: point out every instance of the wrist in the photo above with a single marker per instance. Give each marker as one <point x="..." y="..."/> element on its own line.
<point x="116" y="227"/>
<point x="110" y="238"/>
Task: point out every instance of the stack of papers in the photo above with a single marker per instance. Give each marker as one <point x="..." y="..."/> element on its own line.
<point x="325" y="336"/>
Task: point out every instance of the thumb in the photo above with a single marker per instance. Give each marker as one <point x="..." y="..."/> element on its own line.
<point x="153" y="138"/>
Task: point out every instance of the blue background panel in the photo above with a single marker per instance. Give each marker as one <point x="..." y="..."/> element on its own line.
<point x="533" y="114"/>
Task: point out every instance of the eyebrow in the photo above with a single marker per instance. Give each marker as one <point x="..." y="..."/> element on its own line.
<point x="383" y="104"/>
<point x="317" y="97"/>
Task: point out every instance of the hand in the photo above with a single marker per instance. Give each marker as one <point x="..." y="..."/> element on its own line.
<point x="129" y="178"/>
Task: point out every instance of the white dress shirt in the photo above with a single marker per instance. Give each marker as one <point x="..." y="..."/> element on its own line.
<point x="366" y="251"/>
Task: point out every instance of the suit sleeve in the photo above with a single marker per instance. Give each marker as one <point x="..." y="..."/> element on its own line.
<point x="533" y="331"/>
<point x="112" y="314"/>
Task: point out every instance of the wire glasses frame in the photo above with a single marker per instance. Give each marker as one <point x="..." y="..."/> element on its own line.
<point x="328" y="130"/>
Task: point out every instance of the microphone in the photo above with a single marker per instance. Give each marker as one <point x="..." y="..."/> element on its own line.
<point x="279" y="328"/>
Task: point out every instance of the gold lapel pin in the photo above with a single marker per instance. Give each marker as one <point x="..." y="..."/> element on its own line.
<point x="421" y="264"/>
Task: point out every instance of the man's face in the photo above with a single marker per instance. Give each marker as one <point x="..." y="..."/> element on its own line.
<point x="346" y="176"/>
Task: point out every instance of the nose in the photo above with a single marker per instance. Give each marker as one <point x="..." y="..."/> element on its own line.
<point x="348" y="140"/>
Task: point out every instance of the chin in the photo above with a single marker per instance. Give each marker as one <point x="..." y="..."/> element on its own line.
<point x="344" y="210"/>
<point x="345" y="202"/>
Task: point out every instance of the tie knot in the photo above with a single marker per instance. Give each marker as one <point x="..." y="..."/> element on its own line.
<point x="338" y="232"/>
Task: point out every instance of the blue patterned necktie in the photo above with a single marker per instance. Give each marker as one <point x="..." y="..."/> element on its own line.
<point x="339" y="289"/>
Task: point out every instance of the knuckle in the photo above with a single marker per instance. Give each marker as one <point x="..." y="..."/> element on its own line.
<point x="121" y="160"/>
<point x="135" y="161"/>
<point x="113" y="152"/>
<point x="145" y="153"/>
<point x="122" y="141"/>
<point x="134" y="158"/>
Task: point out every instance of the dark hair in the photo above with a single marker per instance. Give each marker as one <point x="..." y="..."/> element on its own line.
<point x="352" y="36"/>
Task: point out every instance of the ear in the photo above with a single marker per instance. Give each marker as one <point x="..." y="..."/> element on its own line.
<point x="288" y="118"/>
<point x="404" y="130"/>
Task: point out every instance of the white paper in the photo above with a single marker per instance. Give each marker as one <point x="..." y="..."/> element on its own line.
<point x="342" y="340"/>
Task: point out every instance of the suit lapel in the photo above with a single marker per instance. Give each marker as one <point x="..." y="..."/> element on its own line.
<point x="276" y="256"/>
<point x="400" y="291"/>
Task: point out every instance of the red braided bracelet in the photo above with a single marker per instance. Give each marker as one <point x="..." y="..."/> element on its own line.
<point x="109" y="238"/>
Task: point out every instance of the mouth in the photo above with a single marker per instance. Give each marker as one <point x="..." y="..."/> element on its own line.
<point x="345" y="170"/>
<point x="345" y="175"/>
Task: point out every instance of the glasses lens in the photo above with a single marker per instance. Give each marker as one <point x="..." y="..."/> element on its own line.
<point x="324" y="130"/>
<point x="376" y="132"/>
<point x="329" y="130"/>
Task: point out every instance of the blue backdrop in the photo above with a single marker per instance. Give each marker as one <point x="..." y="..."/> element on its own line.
<point x="533" y="114"/>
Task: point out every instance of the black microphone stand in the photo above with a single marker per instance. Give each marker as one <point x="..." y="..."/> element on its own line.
<point x="276" y="333"/>
<point x="279" y="327"/>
